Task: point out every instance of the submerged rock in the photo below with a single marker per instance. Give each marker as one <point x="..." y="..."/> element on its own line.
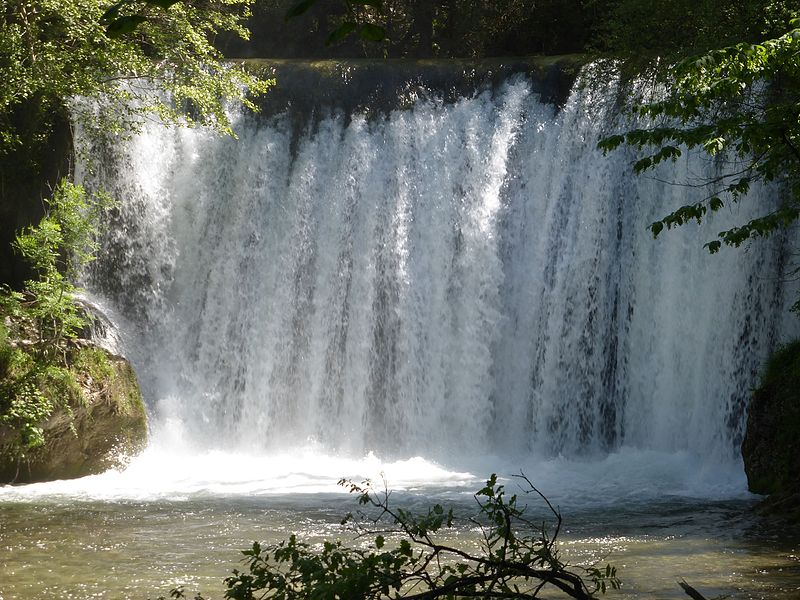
<point x="98" y="430"/>
<point x="771" y="447"/>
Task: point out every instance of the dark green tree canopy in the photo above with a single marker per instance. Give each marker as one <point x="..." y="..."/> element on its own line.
<point x="480" y="28"/>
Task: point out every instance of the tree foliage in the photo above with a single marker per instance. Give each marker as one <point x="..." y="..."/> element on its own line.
<point x="56" y="249"/>
<point x="740" y="102"/>
<point x="359" y="17"/>
<point x="641" y="29"/>
<point x="54" y="50"/>
<point x="638" y="29"/>
<point x="136" y="58"/>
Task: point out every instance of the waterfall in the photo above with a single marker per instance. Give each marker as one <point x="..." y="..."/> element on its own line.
<point x="454" y="276"/>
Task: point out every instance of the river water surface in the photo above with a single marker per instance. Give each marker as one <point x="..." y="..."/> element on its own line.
<point x="136" y="536"/>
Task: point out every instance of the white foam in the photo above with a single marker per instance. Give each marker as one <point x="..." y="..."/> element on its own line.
<point x="170" y="473"/>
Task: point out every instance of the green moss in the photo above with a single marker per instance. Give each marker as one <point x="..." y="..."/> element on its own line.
<point x="69" y="418"/>
<point x="105" y="378"/>
<point x="90" y="417"/>
<point x="31" y="389"/>
<point x="783" y="367"/>
<point x="61" y="384"/>
<point x="771" y="448"/>
<point x="6" y="351"/>
<point x="782" y="381"/>
<point x="93" y="365"/>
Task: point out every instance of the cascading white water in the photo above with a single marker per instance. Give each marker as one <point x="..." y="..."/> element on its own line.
<point x="447" y="280"/>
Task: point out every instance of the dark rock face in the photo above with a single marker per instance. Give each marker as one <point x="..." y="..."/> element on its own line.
<point x="771" y="448"/>
<point x="27" y="175"/>
<point x="100" y="434"/>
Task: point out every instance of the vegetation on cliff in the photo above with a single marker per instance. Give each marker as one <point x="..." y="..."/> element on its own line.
<point x="80" y="418"/>
<point x="771" y="448"/>
<point x="42" y="322"/>
<point x="51" y="382"/>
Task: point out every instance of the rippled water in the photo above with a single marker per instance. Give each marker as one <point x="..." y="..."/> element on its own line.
<point x="110" y="536"/>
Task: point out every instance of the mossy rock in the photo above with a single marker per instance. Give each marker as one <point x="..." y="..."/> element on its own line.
<point x="100" y="430"/>
<point x="771" y="447"/>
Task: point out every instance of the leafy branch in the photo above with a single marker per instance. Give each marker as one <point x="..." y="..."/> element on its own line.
<point x="742" y="102"/>
<point x="40" y="324"/>
<point x="405" y="557"/>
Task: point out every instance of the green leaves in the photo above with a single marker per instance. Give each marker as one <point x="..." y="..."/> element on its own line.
<point x="691" y="212"/>
<point x="656" y="228"/>
<point x="165" y="4"/>
<point x="373" y="33"/>
<point x="610" y="143"/>
<point x="714" y="145"/>
<point x="56" y="249"/>
<point x="113" y="12"/>
<point x="741" y="103"/>
<point x="341" y="32"/>
<point x="605" y="578"/>
<point x="92" y="48"/>
<point x="666" y="153"/>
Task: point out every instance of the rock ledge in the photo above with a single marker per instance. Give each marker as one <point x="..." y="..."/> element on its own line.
<point x="106" y="427"/>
